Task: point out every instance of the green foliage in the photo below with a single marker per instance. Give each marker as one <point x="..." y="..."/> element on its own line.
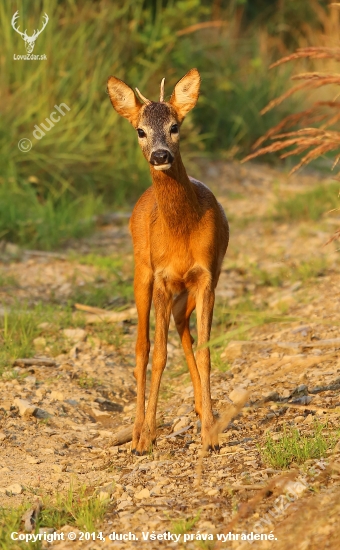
<point x="20" y="325"/>
<point x="311" y="205"/>
<point x="50" y="193"/>
<point x="78" y="508"/>
<point x="294" y="447"/>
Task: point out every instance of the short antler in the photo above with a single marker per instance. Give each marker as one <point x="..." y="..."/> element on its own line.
<point x="143" y="98"/>
<point x="14" y="20"/>
<point x="161" y="97"/>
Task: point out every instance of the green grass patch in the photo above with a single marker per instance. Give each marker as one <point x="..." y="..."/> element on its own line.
<point x="21" y="324"/>
<point x="113" y="286"/>
<point x="182" y="526"/>
<point x="47" y="222"/>
<point x="312" y="205"/>
<point x="79" y="508"/>
<point x="295" y="447"/>
<point x="288" y="274"/>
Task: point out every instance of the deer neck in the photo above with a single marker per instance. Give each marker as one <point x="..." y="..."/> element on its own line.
<point x="176" y="199"/>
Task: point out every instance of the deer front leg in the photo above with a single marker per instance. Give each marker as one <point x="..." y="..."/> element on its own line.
<point x="143" y="295"/>
<point x="204" y="307"/>
<point x="182" y="308"/>
<point x="162" y="302"/>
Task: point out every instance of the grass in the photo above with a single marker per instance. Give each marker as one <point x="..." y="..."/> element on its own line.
<point x="312" y="205"/>
<point x="113" y="286"/>
<point x="80" y="509"/>
<point x="21" y="325"/>
<point x="295" y="447"/>
<point x="90" y="161"/>
<point x="285" y="275"/>
<point x="182" y="526"/>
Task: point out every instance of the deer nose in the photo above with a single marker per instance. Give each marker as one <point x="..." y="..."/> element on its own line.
<point x="161" y="156"/>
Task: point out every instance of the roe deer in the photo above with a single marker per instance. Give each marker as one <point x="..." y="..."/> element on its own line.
<point x="180" y="235"/>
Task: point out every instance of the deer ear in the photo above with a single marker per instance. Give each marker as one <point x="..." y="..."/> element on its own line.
<point x="123" y="100"/>
<point x="185" y="95"/>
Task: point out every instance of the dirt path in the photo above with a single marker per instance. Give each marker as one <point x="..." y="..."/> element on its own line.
<point x="275" y="334"/>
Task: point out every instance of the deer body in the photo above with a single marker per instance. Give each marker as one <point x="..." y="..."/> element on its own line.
<point x="180" y="235"/>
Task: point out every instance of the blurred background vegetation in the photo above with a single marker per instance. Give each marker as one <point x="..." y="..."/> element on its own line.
<point x="89" y="162"/>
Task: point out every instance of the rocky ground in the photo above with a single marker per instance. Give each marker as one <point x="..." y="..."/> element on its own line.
<point x="275" y="335"/>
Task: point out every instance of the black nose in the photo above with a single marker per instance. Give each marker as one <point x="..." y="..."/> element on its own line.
<point x="161" y="156"/>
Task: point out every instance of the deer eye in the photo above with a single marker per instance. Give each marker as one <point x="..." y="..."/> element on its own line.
<point x="174" y="129"/>
<point x="141" y="133"/>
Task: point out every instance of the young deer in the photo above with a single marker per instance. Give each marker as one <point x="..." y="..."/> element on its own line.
<point x="180" y="235"/>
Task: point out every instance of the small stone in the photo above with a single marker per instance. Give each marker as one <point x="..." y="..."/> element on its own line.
<point x="39" y="343"/>
<point x="299" y="419"/>
<point x="42" y="414"/>
<point x="57" y="395"/>
<point x="75" y="335"/>
<point x="182" y="423"/>
<point x="32" y="460"/>
<point x="238" y="395"/>
<point x="99" y="415"/>
<point x="212" y="492"/>
<point x="59" y="468"/>
<point x="144" y="493"/>
<point x="286" y="393"/>
<point x="309" y="419"/>
<point x="31" y="380"/>
<point x="26" y="409"/>
<point x="15" y="489"/>
<point x="123" y="504"/>
<point x="184" y="409"/>
<point x="2" y="436"/>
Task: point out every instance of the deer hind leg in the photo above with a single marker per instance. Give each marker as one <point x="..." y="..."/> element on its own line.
<point x="143" y="296"/>
<point x="205" y="299"/>
<point x="162" y="299"/>
<point x="182" y="308"/>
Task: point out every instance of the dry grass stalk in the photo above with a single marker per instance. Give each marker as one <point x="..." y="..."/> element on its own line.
<point x="313" y="141"/>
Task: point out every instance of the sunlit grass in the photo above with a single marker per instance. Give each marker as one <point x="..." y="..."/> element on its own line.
<point x="292" y="446"/>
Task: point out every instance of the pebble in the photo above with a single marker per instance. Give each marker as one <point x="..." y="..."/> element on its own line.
<point x="212" y="492"/>
<point x="2" y="436"/>
<point x="144" y="493"/>
<point x="15" y="489"/>
<point x="309" y="419"/>
<point x="75" y="335"/>
<point x="299" y="419"/>
<point x="182" y="423"/>
<point x="39" y="343"/>
<point x="238" y="395"/>
<point x="57" y="395"/>
<point x="26" y="409"/>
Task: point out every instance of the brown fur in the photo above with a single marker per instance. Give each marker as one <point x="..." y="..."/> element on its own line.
<point x="180" y="235"/>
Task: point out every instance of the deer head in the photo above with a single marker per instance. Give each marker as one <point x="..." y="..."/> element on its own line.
<point x="29" y="40"/>
<point x="157" y="123"/>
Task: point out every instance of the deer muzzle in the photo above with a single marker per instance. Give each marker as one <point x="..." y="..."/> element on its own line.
<point x="161" y="159"/>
